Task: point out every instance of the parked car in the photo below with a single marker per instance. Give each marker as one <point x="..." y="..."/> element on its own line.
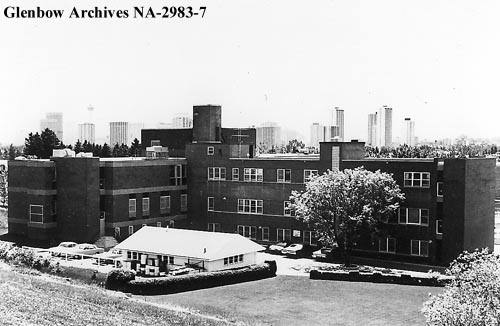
<point x="277" y="247"/>
<point x="322" y="253"/>
<point x="86" y="249"/>
<point x="63" y="248"/>
<point x="293" y="250"/>
<point x="109" y="256"/>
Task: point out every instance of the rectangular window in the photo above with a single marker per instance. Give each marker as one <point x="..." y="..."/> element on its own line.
<point x="284" y="235"/>
<point x="417" y="216"/>
<point x="287" y="210"/>
<point x="241" y="258"/>
<point x="417" y="179"/>
<point x="155" y="142"/>
<point x="117" y="232"/>
<point x="130" y="229"/>
<point x="145" y="206"/>
<point x="171" y="223"/>
<point x="213" y="227"/>
<point x="309" y="238"/>
<point x="184" y="202"/>
<point x="210" y="150"/>
<point x="253" y="175"/>
<point x="387" y="245"/>
<point x="36" y="213"/>
<point x="420" y="248"/>
<point x="210" y="203"/>
<point x="265" y="234"/>
<point x="308" y="174"/>
<point x="171" y="260"/>
<point x="216" y="173"/>
<point x="226" y="261"/>
<point x="250" y="206"/>
<point x="164" y="204"/>
<point x="439" y="186"/>
<point x="178" y="175"/>
<point x="158" y="224"/>
<point x="439" y="226"/>
<point x="236" y="174"/>
<point x="248" y="231"/>
<point x="132" y="208"/>
<point x="283" y="175"/>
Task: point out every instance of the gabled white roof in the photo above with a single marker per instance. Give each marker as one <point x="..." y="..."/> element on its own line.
<point x="188" y="243"/>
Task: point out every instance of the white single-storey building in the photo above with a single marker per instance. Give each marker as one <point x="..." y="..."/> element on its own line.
<point x="153" y="250"/>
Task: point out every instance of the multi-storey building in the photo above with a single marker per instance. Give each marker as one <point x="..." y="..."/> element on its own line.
<point x="317" y="134"/>
<point x="372" y="130"/>
<point x="118" y="133"/>
<point x="86" y="132"/>
<point x="269" y="134"/>
<point x="53" y="121"/>
<point x="409" y="132"/>
<point x="449" y="205"/>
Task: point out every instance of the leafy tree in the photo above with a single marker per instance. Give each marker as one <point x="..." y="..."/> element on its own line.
<point x="135" y="148"/>
<point x="13" y="152"/>
<point x="42" y="144"/>
<point x="472" y="297"/>
<point x="78" y="147"/>
<point x="4" y="194"/>
<point x="105" y="151"/>
<point x="340" y="205"/>
<point x="87" y="147"/>
<point x="294" y="145"/>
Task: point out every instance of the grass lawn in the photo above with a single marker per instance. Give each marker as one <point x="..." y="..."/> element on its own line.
<point x="38" y="300"/>
<point x="291" y="300"/>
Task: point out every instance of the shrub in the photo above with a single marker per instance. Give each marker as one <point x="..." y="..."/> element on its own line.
<point x="118" y="278"/>
<point x="189" y="282"/>
<point x="472" y="297"/>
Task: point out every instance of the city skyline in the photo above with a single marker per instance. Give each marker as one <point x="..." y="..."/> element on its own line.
<point x="330" y="54"/>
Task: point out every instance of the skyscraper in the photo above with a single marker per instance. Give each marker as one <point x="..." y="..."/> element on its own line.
<point x="317" y="134"/>
<point x="409" y="132"/>
<point x="268" y="134"/>
<point x="53" y="121"/>
<point x="118" y="133"/>
<point x="339" y="122"/>
<point x="372" y="129"/>
<point x="86" y="132"/>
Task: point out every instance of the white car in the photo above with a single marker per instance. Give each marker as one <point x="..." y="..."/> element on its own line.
<point x="277" y="247"/>
<point x="109" y="257"/>
<point x="321" y="253"/>
<point x="86" y="249"/>
<point x="63" y="248"/>
<point x="293" y="250"/>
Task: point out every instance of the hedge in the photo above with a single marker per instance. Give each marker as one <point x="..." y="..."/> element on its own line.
<point x="190" y="282"/>
<point x="376" y="277"/>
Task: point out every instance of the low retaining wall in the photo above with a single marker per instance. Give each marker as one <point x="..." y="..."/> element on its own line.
<point x="377" y="277"/>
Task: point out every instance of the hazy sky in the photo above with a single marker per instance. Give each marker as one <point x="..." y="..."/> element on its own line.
<point x="437" y="62"/>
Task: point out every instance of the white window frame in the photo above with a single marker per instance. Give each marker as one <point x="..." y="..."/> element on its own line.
<point x="417" y="180"/>
<point x="384" y="243"/>
<point x="403" y="218"/>
<point x="213" y="227"/>
<point x="210" y="204"/>
<point x="283" y="235"/>
<point x="164" y="204"/>
<point x="439" y="186"/>
<point x="283" y="178"/>
<point x="265" y="231"/>
<point x="158" y="224"/>
<point x="179" y="174"/>
<point x="247" y="231"/>
<point x="145" y="206"/>
<point x="287" y="210"/>
<point x="308" y="174"/>
<point x="216" y="173"/>
<point x="184" y="203"/>
<point x="253" y="174"/>
<point x="132" y="207"/>
<point x="155" y="142"/>
<point x="130" y="229"/>
<point x="420" y="249"/>
<point x="250" y="206"/>
<point x="235" y="174"/>
<point x="437" y="226"/>
<point x="306" y="234"/>
<point x="36" y="214"/>
<point x="210" y="150"/>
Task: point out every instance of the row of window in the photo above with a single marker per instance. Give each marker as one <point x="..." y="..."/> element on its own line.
<point x="131" y="228"/>
<point x="164" y="205"/>
<point x="233" y="260"/>
<point x="252" y="206"/>
<point x="418" y="247"/>
<point x="255" y="174"/>
<point x="134" y="255"/>
<point x="282" y="235"/>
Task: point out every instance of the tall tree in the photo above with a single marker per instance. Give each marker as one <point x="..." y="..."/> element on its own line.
<point x="78" y="147"/>
<point x="340" y="205"/>
<point x="13" y="152"/>
<point x="33" y="145"/>
<point x="105" y="151"/>
<point x="41" y="145"/>
<point x="135" y="148"/>
<point x="294" y="146"/>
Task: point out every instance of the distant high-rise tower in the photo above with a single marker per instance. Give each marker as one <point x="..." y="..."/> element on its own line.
<point x="53" y="121"/>
<point x="268" y="134"/>
<point x="86" y="132"/>
<point x="409" y="132"/>
<point x="372" y="130"/>
<point x="181" y="121"/>
<point x="118" y="133"/>
<point x="339" y="122"/>
<point x="317" y="134"/>
<point x="384" y="127"/>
